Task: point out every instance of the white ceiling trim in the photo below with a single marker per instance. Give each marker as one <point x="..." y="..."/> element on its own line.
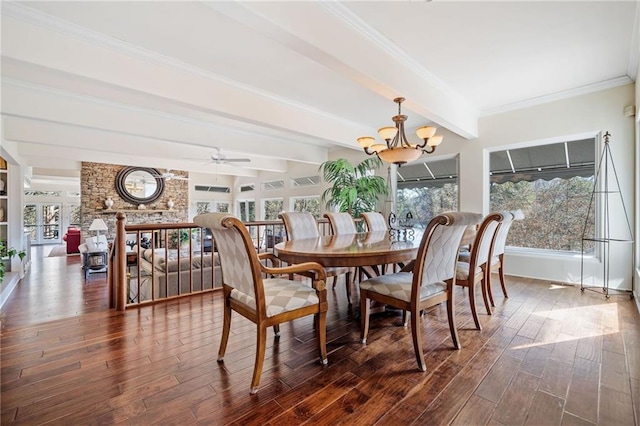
<point x="163" y="115"/>
<point x="634" y="53"/>
<point x="61" y="26"/>
<point x="596" y="87"/>
<point x="300" y="33"/>
<point x="392" y="49"/>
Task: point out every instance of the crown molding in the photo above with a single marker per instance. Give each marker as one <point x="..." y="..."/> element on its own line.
<point x="35" y="17"/>
<point x="558" y="96"/>
<point x="360" y="26"/>
<point x="634" y="49"/>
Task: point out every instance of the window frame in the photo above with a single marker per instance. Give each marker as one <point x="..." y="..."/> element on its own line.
<point x="540" y="252"/>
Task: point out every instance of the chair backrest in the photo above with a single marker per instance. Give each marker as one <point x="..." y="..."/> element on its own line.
<point x="299" y="225"/>
<point x="485" y="238"/>
<point x="238" y="258"/>
<point x="438" y="252"/>
<point x="503" y="230"/>
<point x="375" y="221"/>
<point x="341" y="223"/>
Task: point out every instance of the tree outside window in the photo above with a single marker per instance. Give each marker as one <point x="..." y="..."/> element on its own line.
<point x="552" y="185"/>
<point x="308" y="205"/>
<point x="427" y="189"/>
<point x="272" y="207"/>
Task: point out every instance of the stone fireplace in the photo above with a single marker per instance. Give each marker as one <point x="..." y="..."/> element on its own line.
<point x="97" y="184"/>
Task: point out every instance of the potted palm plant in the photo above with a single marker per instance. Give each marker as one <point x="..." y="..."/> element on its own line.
<point x="354" y="189"/>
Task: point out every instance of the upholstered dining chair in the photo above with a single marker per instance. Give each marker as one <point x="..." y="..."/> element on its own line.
<point x="301" y="225"/>
<point x="265" y="302"/>
<point x="425" y="282"/>
<point x="343" y="224"/>
<point x="374" y="221"/>
<point x="470" y="273"/>
<point x="497" y="252"/>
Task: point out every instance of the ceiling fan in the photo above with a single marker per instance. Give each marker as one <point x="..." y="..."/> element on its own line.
<point x="169" y="176"/>
<point x="219" y="158"/>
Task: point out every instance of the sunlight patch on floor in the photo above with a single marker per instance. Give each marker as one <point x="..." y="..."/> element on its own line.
<point x="592" y="321"/>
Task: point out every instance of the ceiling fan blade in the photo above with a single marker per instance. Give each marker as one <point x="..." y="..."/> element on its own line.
<point x="238" y="160"/>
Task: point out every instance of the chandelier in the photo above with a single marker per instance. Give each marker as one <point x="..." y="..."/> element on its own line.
<point x="397" y="149"/>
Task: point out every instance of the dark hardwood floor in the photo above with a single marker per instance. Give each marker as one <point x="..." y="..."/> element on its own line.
<point x="549" y="355"/>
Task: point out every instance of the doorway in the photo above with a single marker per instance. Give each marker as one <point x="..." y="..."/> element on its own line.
<point x="42" y="222"/>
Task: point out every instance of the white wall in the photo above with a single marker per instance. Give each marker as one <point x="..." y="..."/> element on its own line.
<point x="583" y="115"/>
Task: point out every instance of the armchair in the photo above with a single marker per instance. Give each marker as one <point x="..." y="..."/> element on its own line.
<point x="264" y="301"/>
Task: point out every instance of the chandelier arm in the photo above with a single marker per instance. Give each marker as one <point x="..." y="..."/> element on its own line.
<point x="366" y="150"/>
<point x="423" y="144"/>
<point x="429" y="151"/>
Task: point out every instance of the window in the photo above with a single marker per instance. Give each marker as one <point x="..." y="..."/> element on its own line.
<point x="552" y="185"/>
<point x="245" y="188"/>
<point x="427" y="189"/>
<point x="307" y="204"/>
<point x="272" y="207"/>
<point x="212" y="206"/>
<point x="203" y="207"/>
<point x="274" y="184"/>
<point x="305" y="181"/>
<point x="247" y="209"/>
<point x="74" y="215"/>
<point x="207" y="188"/>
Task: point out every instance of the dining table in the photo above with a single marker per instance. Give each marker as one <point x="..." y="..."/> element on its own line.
<point x="348" y="250"/>
<point x="365" y="249"/>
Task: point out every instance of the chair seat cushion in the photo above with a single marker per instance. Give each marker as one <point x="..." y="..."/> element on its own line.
<point x="398" y="286"/>
<point x="281" y="295"/>
<point x="462" y="271"/>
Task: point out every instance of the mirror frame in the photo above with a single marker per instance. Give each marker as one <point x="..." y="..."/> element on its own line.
<point x="121" y="179"/>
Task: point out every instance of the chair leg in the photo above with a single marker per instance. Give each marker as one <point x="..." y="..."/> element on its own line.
<point x="451" y="315"/>
<point x="321" y="330"/>
<point x="404" y="318"/>
<point x="261" y="344"/>
<point x="276" y="330"/>
<point x="472" y="302"/>
<point x="488" y="286"/>
<point x="501" y="273"/>
<point x="348" y="278"/>
<point x="226" y="327"/>
<point x="485" y="292"/>
<point x="364" y="316"/>
<point x="417" y="340"/>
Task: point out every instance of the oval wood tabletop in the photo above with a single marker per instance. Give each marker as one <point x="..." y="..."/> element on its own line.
<point x="363" y="249"/>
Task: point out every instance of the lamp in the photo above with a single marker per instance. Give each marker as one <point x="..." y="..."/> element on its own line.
<point x="397" y="149"/>
<point x="98" y="225"/>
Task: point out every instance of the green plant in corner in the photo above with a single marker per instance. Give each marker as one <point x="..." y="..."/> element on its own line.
<point x="9" y="253"/>
<point x="354" y="189"/>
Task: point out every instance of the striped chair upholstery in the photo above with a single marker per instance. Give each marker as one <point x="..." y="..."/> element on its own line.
<point x="497" y="254"/>
<point x="474" y="271"/>
<point x="341" y="223"/>
<point x="428" y="282"/>
<point x="266" y="302"/>
<point x="375" y="221"/>
<point x="300" y="225"/>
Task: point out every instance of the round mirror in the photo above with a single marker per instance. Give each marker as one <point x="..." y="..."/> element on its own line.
<point x="139" y="185"/>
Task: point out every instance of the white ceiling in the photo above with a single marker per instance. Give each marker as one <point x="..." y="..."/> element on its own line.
<point x="160" y="84"/>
